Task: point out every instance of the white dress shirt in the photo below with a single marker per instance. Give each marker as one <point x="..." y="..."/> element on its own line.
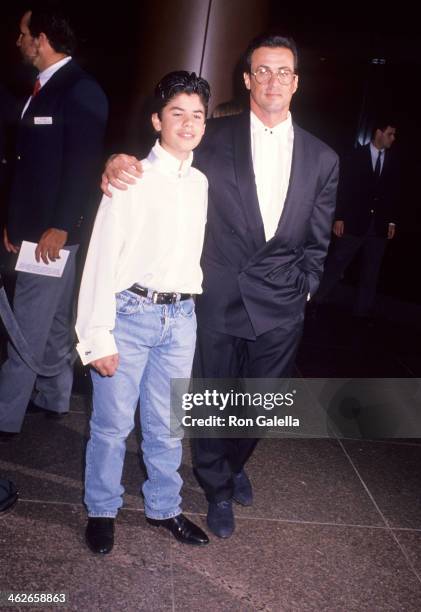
<point x="374" y="155"/>
<point x="46" y="75"/>
<point x="272" y="156"/>
<point x="152" y="234"/>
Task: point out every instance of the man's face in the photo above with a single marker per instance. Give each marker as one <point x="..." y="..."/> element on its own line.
<point x="181" y="125"/>
<point x="271" y="99"/>
<point x="387" y="137"/>
<point x="27" y="44"/>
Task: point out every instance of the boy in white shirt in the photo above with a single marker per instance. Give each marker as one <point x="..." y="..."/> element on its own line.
<point x="136" y="323"/>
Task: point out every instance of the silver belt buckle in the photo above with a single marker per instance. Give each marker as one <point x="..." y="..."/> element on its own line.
<point x="155" y="297"/>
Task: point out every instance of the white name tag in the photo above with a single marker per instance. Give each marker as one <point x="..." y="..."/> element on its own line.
<point x="43" y="120"/>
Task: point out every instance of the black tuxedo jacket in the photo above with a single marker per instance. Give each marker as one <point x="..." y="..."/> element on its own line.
<point x="252" y="286"/>
<point x="362" y="198"/>
<point x="58" y="156"/>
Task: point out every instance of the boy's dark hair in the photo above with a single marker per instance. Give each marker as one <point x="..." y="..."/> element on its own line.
<point x="178" y="82"/>
<point x="270" y="40"/>
<point x="54" y="23"/>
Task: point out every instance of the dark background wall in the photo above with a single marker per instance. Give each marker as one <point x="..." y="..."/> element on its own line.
<point x="128" y="46"/>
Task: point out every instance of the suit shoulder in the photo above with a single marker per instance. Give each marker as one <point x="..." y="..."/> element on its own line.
<point x="319" y="147"/>
<point x="218" y="127"/>
<point x="77" y="81"/>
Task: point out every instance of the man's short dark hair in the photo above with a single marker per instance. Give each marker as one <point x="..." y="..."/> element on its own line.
<point x="55" y="25"/>
<point x="271" y="40"/>
<point x="382" y="123"/>
<point x="178" y="82"/>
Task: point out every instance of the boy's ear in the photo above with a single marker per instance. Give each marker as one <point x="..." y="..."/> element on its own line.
<point x="156" y="122"/>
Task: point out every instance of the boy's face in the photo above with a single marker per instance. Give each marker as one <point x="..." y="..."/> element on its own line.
<point x="182" y="124"/>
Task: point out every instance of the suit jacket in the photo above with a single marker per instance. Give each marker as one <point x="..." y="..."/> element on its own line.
<point x="252" y="286"/>
<point x="362" y="198"/>
<point x="58" y="156"/>
<point x="8" y="121"/>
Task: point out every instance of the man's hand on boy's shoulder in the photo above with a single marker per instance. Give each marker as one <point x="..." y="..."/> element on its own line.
<point x="120" y="170"/>
<point x="106" y="366"/>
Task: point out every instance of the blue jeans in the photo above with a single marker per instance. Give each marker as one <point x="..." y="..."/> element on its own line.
<point x="155" y="343"/>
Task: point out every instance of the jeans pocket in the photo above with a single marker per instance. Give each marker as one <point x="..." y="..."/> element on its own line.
<point x="127" y="303"/>
<point x="187" y="308"/>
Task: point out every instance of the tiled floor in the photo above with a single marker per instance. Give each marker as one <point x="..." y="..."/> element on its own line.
<point x="336" y="524"/>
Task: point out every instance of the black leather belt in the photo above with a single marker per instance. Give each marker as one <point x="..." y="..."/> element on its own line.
<point x="160" y="298"/>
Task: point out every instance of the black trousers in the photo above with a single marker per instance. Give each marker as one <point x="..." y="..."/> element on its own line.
<point x="343" y="251"/>
<point x="218" y="355"/>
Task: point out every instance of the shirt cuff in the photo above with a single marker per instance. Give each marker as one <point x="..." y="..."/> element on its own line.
<point x="96" y="347"/>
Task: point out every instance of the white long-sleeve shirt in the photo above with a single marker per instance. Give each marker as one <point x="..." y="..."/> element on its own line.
<point x="152" y="234"/>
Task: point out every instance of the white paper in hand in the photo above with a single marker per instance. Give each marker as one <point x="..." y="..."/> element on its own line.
<point x="27" y="263"/>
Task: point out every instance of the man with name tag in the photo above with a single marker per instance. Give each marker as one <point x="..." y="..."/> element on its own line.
<point x="59" y="145"/>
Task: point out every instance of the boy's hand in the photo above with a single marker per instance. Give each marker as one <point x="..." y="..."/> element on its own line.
<point x="120" y="171"/>
<point x="106" y="366"/>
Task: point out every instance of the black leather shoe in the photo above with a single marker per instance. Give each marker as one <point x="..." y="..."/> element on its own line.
<point x="243" y="493"/>
<point x="49" y="414"/>
<point x="32" y="408"/>
<point x="182" y="529"/>
<point x="8" y="494"/>
<point x="8" y="436"/>
<point x="100" y="534"/>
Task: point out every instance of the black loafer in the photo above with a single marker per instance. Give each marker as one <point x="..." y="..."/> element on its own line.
<point x="182" y="529"/>
<point x="8" y="494"/>
<point x="8" y="436"/>
<point x="100" y="534"/>
<point x="49" y="414"/>
<point x="56" y="416"/>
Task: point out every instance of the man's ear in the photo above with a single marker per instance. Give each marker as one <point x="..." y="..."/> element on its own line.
<point x="156" y="122"/>
<point x="246" y="77"/>
<point x="41" y="41"/>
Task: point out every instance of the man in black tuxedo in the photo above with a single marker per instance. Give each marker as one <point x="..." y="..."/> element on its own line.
<point x="365" y="215"/>
<point x="272" y="190"/>
<point x="59" y="146"/>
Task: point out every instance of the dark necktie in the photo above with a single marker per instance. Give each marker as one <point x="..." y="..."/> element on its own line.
<point x="37" y="87"/>
<point x="378" y="166"/>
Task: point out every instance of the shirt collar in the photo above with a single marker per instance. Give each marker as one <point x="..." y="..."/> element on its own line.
<point x="46" y="74"/>
<point x="279" y="129"/>
<point x="167" y="162"/>
<point x="374" y="150"/>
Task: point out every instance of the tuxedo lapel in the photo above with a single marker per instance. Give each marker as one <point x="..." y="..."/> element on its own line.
<point x="386" y="163"/>
<point x="296" y="178"/>
<point x="245" y="178"/>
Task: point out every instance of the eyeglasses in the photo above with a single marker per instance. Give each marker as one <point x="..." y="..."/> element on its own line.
<point x="263" y="74"/>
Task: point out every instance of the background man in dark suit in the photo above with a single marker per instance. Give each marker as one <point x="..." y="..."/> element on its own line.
<point x="59" y="146"/>
<point x="365" y="215"/>
<point x="272" y="190"/>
